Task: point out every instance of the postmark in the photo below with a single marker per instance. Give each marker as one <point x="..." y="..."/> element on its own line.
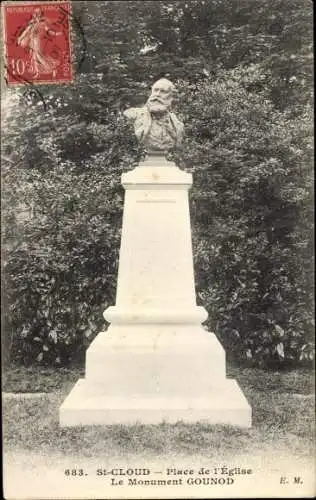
<point x="37" y="42"/>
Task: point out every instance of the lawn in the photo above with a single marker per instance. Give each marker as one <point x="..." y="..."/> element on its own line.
<point x="282" y="430"/>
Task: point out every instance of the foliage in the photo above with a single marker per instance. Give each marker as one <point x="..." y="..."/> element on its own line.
<point x="62" y="268"/>
<point x="248" y="120"/>
<point x="253" y="243"/>
<point x="193" y="40"/>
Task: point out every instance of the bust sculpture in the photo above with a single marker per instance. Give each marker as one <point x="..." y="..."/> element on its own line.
<point x="155" y="126"/>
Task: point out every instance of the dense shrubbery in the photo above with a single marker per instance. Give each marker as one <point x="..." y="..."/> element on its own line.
<point x="251" y="203"/>
<point x="252" y="211"/>
<point x="61" y="272"/>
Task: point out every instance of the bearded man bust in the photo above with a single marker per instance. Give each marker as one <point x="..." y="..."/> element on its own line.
<point x="155" y="126"/>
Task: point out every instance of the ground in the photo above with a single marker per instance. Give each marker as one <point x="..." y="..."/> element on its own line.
<point x="279" y="444"/>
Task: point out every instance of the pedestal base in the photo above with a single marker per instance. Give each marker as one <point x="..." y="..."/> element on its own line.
<point x="88" y="405"/>
<point x="155" y="373"/>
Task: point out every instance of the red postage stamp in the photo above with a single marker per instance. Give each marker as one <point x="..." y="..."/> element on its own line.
<point x="37" y="42"/>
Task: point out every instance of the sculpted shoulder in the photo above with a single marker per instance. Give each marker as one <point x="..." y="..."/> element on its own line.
<point x="134" y="113"/>
<point x="179" y="127"/>
<point x="179" y="124"/>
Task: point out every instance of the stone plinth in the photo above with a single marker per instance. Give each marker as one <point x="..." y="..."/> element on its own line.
<point x="155" y="362"/>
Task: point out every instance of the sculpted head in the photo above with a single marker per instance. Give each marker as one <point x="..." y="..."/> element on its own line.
<point x="161" y="96"/>
<point x="38" y="14"/>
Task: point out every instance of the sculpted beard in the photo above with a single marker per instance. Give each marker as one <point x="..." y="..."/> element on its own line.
<point x="158" y="104"/>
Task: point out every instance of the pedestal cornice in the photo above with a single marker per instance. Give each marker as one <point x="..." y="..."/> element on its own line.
<point x="130" y="315"/>
<point x="156" y="172"/>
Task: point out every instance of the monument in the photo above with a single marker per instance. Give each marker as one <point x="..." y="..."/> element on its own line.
<point x="156" y="362"/>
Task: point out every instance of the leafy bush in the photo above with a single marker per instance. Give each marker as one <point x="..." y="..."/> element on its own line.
<point x="61" y="270"/>
<point x="252" y="212"/>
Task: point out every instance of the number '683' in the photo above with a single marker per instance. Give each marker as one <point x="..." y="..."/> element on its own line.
<point x="74" y="472"/>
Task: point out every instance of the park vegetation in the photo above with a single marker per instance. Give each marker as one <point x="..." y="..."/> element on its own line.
<point x="243" y="70"/>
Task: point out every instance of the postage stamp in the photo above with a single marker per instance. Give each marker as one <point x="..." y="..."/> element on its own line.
<point x="37" y="42"/>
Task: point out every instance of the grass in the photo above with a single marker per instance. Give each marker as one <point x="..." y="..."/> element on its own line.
<point x="43" y="379"/>
<point x="38" y="452"/>
<point x="38" y="379"/>
<point x="283" y="420"/>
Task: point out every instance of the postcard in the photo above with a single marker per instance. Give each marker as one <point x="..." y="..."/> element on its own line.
<point x="157" y="255"/>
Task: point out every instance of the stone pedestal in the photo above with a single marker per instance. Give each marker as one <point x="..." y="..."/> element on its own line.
<point x="155" y="362"/>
